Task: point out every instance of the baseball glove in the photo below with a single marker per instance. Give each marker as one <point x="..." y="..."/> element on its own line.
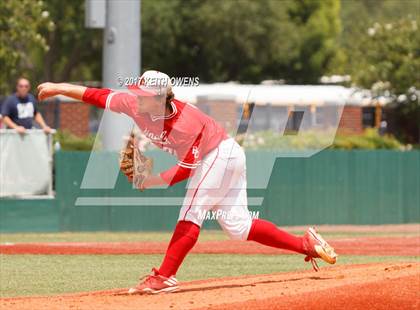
<point x="133" y="163"/>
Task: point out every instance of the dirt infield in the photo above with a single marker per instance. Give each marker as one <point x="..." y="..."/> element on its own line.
<point x="385" y="228"/>
<point x="379" y="286"/>
<point x="409" y="246"/>
<point x="369" y="286"/>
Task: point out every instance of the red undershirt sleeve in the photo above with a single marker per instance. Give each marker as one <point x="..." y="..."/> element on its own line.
<point x="119" y="102"/>
<point x="176" y="174"/>
<point x="186" y="167"/>
<point x="96" y="96"/>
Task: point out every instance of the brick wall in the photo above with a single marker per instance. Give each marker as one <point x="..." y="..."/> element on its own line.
<point x="74" y="117"/>
<point x="49" y="111"/>
<point x="351" y="120"/>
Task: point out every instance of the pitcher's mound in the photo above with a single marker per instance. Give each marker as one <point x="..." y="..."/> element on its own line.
<point x="371" y="286"/>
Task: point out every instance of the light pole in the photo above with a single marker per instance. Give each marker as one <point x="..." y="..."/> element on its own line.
<point x="121" y="59"/>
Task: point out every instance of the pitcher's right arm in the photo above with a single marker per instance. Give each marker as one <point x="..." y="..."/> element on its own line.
<point x="99" y="97"/>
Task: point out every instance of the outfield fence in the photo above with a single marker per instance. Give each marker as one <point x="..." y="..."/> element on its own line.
<point x="332" y="187"/>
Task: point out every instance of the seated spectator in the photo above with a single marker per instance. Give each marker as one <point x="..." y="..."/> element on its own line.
<point x="19" y="110"/>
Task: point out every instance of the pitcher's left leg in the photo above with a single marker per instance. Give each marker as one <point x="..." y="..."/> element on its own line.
<point x="267" y="233"/>
<point x="311" y="244"/>
<point x="236" y="221"/>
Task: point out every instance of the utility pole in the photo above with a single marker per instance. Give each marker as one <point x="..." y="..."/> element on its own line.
<point x="120" y="20"/>
<point x="120" y="60"/>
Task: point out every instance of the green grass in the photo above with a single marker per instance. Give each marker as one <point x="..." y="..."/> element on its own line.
<point x="102" y="236"/>
<point x="206" y="235"/>
<point x="24" y="275"/>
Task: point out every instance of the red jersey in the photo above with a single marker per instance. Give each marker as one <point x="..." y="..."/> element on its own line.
<point x="187" y="133"/>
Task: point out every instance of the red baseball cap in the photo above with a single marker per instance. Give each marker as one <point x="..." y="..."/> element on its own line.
<point x="151" y="83"/>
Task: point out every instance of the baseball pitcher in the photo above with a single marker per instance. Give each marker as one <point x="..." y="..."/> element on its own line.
<point x="212" y="160"/>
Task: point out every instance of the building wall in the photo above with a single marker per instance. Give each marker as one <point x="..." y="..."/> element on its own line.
<point x="226" y="113"/>
<point x="74" y="117"/>
<point x="351" y="120"/>
<point x="223" y="111"/>
<point x="50" y="112"/>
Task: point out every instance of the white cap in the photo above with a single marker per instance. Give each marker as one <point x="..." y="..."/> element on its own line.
<point x="152" y="83"/>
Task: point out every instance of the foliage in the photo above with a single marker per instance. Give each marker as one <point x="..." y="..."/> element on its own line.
<point x="47" y="41"/>
<point x="404" y="116"/>
<point x="307" y="140"/>
<point x="21" y="25"/>
<point x="318" y="26"/>
<point x="387" y="58"/>
<point x="217" y="40"/>
<point x="387" y="61"/>
<point x="75" y="51"/>
<point x="70" y="142"/>
<point x="376" y="42"/>
<point x="380" y="48"/>
<point x="357" y="16"/>
<point x="246" y="41"/>
<point x="369" y="140"/>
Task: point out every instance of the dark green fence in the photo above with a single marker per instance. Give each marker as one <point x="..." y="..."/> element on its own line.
<point x="332" y="187"/>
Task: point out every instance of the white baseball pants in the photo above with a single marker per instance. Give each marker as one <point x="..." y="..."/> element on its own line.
<point x="218" y="187"/>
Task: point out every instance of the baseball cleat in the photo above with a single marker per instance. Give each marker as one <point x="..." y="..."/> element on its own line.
<point x="317" y="247"/>
<point x="155" y="284"/>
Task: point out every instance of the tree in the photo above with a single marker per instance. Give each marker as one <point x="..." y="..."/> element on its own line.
<point x="22" y="24"/>
<point x="74" y="51"/>
<point x="388" y="53"/>
<point x="319" y="26"/>
<point x="47" y="40"/>
<point x="217" y="40"/>
<point x="387" y="61"/>
<point x="246" y="41"/>
<point x="357" y="16"/>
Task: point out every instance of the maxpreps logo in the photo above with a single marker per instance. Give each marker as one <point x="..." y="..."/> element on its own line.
<point x="292" y="128"/>
<point x="222" y="214"/>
